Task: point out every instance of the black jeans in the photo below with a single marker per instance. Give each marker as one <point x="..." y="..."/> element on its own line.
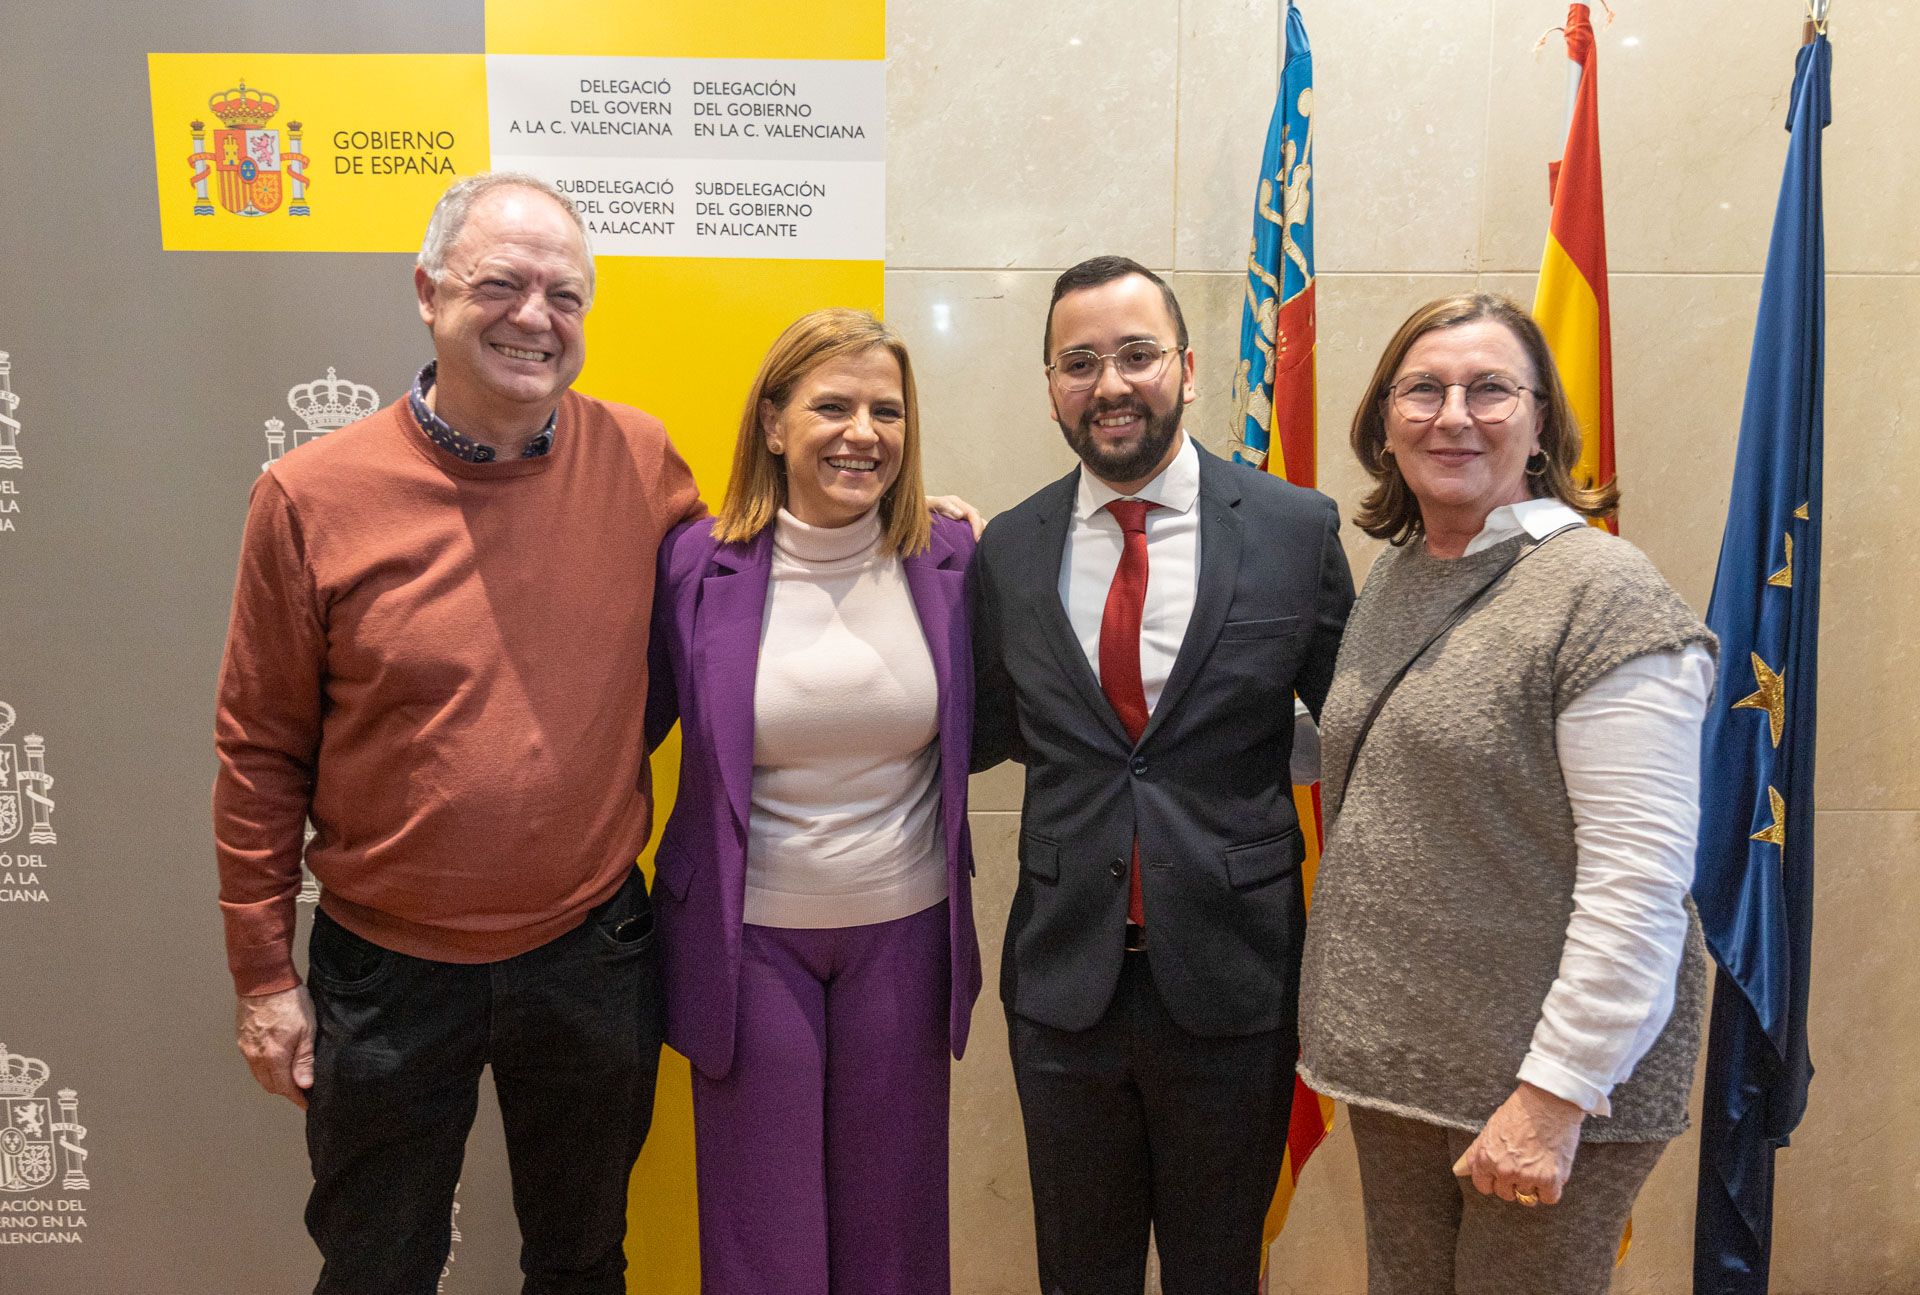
<point x="572" y="1031"/>
<point x="1136" y="1125"/>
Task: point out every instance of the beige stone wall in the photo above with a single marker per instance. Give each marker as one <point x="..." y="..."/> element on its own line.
<point x="1025" y="136"/>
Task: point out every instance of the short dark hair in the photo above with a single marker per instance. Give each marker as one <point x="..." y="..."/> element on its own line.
<point x="1093" y="272"/>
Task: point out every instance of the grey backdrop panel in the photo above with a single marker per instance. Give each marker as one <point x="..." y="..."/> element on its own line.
<point x="144" y="381"/>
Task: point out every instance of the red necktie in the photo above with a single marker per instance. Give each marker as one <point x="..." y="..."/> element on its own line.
<point x="1120" y="650"/>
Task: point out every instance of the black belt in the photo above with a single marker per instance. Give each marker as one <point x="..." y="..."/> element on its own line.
<point x="1136" y="938"/>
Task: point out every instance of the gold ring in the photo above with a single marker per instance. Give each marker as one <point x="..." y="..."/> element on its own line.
<point x="1526" y="1198"/>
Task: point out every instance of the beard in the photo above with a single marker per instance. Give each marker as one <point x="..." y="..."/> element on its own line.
<point x="1133" y="462"/>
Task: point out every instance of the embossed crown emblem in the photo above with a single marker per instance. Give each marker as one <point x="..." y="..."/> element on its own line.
<point x="332" y="402"/>
<point x="20" y="1076"/>
<point x="244" y="109"/>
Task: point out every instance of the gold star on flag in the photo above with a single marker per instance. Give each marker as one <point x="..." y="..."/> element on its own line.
<point x="1801" y="511"/>
<point x="1783" y="578"/>
<point x="1771" y="697"/>
<point x="1777" y="833"/>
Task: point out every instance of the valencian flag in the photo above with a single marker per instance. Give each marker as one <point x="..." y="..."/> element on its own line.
<point x="1571" y="300"/>
<point x="1273" y="385"/>
<point x="1754" y="873"/>
<point x="1274" y="420"/>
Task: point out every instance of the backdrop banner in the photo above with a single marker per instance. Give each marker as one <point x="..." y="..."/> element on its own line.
<point x="207" y="269"/>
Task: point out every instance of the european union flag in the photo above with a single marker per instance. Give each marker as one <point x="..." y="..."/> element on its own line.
<point x="1754" y="882"/>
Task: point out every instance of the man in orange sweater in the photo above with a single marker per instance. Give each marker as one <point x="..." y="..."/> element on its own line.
<point x="438" y="655"/>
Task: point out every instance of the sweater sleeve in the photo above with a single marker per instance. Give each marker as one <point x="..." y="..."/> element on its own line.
<point x="267" y="736"/>
<point x="1629" y="748"/>
<point x="679" y="496"/>
<point x="1624" y="609"/>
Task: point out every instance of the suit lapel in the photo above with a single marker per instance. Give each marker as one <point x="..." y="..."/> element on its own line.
<point x="726" y="656"/>
<point x="1220" y="544"/>
<point x="937" y="591"/>
<point x="1041" y="584"/>
<point x="934" y="592"/>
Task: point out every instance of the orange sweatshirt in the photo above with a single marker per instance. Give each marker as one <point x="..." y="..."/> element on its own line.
<point x="444" y="665"/>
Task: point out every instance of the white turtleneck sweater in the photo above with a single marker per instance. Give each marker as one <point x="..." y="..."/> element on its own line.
<point x="845" y="828"/>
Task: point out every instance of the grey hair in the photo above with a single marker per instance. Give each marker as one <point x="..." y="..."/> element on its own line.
<point x="456" y="204"/>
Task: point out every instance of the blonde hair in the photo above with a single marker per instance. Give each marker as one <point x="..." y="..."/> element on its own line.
<point x="757" y="488"/>
<point x="1390" y="511"/>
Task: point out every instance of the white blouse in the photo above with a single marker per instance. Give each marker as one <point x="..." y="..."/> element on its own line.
<point x="1629" y="749"/>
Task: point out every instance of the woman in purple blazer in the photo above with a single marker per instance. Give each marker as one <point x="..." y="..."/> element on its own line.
<point x="813" y="886"/>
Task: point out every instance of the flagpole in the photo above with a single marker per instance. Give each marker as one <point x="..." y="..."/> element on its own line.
<point x="1816" y="23"/>
<point x="1574" y="72"/>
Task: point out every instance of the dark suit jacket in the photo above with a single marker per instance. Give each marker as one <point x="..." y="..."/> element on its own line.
<point x="1206" y="788"/>
<point x="708" y="609"/>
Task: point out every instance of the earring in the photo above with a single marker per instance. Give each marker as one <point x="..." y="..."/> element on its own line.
<point x="777" y="447"/>
<point x="1541" y="470"/>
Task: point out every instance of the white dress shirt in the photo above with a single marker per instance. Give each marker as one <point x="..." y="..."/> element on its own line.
<point x="1094" y="545"/>
<point x="1629" y="749"/>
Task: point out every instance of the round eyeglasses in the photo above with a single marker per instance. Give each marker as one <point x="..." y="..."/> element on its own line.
<point x="1419" y="397"/>
<point x="1135" y="363"/>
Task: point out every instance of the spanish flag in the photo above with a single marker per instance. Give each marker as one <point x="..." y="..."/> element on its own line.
<point x="1571" y="300"/>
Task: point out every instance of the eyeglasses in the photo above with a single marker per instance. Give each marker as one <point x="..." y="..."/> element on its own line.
<point x="1135" y="363"/>
<point x="1419" y="397"/>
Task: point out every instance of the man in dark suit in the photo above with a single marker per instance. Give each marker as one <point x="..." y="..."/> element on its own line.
<point x="1141" y="628"/>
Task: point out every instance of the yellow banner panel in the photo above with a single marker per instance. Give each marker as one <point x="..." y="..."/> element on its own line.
<point x="682" y="339"/>
<point x="311" y="152"/>
<point x="711" y="29"/>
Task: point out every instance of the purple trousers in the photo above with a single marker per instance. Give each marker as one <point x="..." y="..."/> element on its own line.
<point x="822" y="1156"/>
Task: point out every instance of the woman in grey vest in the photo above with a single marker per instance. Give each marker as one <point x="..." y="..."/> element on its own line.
<point x="1503" y="974"/>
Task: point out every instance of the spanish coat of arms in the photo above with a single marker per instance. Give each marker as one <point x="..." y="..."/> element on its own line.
<point x="24" y="784"/>
<point x="251" y="170"/>
<point x="39" y="1136"/>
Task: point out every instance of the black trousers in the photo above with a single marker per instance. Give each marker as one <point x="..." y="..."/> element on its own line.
<point x="572" y="1031"/>
<point x="1137" y="1125"/>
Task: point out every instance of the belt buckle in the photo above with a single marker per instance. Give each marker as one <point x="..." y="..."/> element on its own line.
<point x="1136" y="938"/>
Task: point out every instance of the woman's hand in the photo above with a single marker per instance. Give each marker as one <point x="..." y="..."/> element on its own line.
<point x="1526" y="1151"/>
<point x="959" y="509"/>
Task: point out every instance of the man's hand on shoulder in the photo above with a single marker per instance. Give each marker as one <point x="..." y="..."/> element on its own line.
<point x="275" y="1033"/>
<point x="959" y="509"/>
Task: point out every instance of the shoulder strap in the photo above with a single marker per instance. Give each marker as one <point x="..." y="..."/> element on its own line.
<point x="1453" y="618"/>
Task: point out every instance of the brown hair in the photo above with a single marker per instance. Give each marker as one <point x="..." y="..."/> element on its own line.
<point x="1390" y="511"/>
<point x="757" y="488"/>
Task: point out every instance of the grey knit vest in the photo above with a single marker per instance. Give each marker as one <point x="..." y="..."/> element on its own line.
<point x="1442" y="902"/>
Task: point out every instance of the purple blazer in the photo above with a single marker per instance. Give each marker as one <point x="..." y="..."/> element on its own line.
<point x="708" y="609"/>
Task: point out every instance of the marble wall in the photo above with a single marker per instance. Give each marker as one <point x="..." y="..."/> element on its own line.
<point x="1023" y="137"/>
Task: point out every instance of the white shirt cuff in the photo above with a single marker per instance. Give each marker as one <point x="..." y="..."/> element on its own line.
<point x="1543" y="1072"/>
